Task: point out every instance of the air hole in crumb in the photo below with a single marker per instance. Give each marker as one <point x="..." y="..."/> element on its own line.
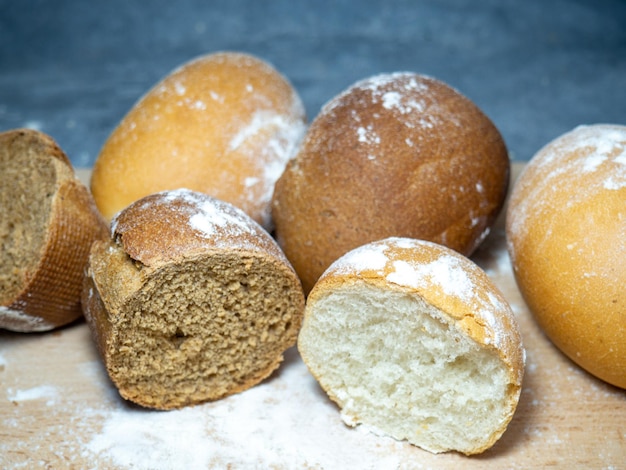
<point x="178" y="339"/>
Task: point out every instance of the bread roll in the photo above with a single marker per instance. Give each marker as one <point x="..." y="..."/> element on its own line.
<point x="566" y="233"/>
<point x="224" y="124"/>
<point x="394" y="155"/>
<point x="48" y="223"/>
<point x="190" y="300"/>
<point x="413" y="341"/>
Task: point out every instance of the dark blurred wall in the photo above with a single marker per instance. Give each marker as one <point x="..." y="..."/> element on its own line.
<point x="538" y="68"/>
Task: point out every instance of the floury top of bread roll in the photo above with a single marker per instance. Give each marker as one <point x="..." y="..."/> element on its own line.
<point x="396" y="154"/>
<point x="566" y="235"/>
<point x="412" y="340"/>
<point x="189" y="301"/>
<point x="47" y="225"/>
<point x="224" y="124"/>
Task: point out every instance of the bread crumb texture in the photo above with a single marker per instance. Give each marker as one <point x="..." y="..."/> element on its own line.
<point x="194" y="311"/>
<point x="413" y="341"/>
<point x="566" y="236"/>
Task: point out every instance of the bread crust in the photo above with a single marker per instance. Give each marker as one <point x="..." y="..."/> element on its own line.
<point x="394" y="155"/>
<point x="136" y="226"/>
<point x="481" y="312"/>
<point x="50" y="297"/>
<point x="224" y="124"/>
<point x="566" y="227"/>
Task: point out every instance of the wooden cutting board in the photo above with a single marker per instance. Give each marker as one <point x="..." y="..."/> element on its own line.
<point x="58" y="410"/>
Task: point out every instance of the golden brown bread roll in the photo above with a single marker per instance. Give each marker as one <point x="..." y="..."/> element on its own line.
<point x="412" y="340"/>
<point x="190" y="300"/>
<point x="48" y="223"/>
<point x="394" y="155"/>
<point x="224" y="124"/>
<point x="566" y="234"/>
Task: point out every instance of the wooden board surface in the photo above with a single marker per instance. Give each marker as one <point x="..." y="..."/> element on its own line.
<point x="58" y="410"/>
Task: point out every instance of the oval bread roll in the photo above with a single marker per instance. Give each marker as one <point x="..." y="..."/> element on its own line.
<point x="394" y="155"/>
<point x="48" y="223"/>
<point x="189" y="301"/>
<point x="412" y="340"/>
<point x="224" y="124"/>
<point x="566" y="233"/>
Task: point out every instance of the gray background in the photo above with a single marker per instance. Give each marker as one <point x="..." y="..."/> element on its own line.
<point x="537" y="68"/>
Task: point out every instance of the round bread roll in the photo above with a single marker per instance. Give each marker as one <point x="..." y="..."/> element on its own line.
<point x="190" y="300"/>
<point x="412" y="340"/>
<point x="48" y="223"/>
<point x="394" y="155"/>
<point x="224" y="124"/>
<point x="566" y="235"/>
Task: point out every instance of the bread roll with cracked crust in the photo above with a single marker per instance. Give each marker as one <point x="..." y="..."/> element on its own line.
<point x="394" y="155"/>
<point x="566" y="235"/>
<point x="48" y="223"/>
<point x="412" y="340"/>
<point x="224" y="124"/>
<point x="189" y="301"/>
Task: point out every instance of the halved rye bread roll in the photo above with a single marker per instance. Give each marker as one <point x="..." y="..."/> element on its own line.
<point x="190" y="300"/>
<point x="48" y="222"/>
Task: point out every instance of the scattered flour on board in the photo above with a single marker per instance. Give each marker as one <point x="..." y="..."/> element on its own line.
<point x="156" y="440"/>
<point x="257" y="428"/>
<point x="35" y="393"/>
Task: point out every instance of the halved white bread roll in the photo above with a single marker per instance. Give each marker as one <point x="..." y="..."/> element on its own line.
<point x="414" y="341"/>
